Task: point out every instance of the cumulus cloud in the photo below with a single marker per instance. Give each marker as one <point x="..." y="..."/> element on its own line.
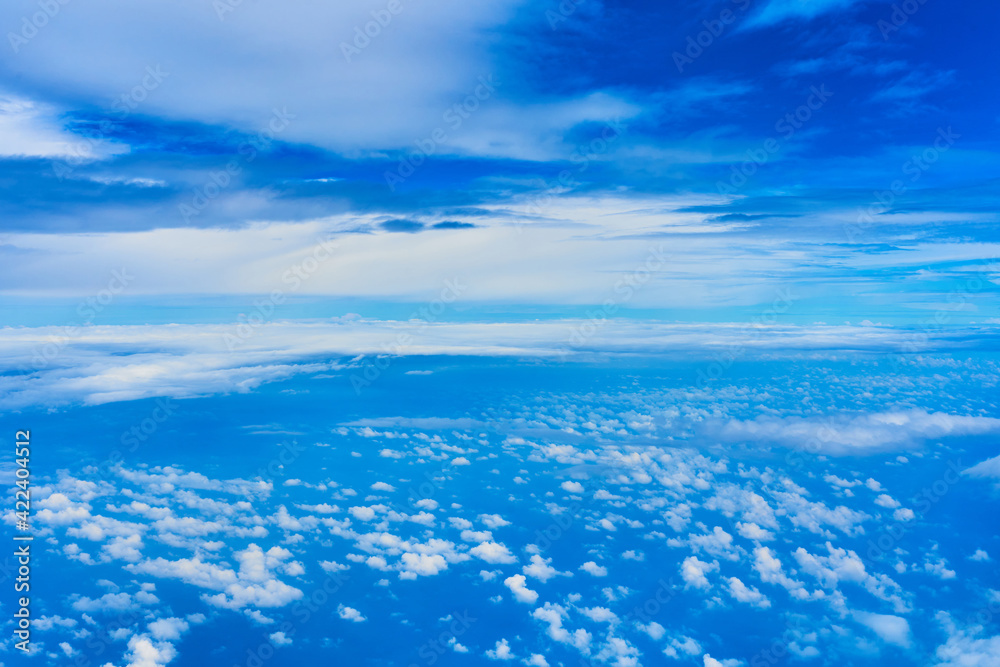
<point x="590" y="567"/>
<point x="424" y="565"/>
<point x="254" y="584"/>
<point x="693" y="572"/>
<point x="522" y="593"/>
<point x="279" y="639"/>
<point x="891" y="629"/>
<point x="541" y="569"/>
<point x="493" y="552"/>
<point x="362" y="513"/>
<point x="747" y="594"/>
<point x="500" y="652"/>
<point x="143" y="652"/>
<point x="168" y="628"/>
<point x="350" y="614"/>
<point x="966" y="647"/>
<point x="493" y="520"/>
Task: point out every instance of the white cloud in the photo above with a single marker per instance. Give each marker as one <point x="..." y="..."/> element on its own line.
<point x="846" y="434"/>
<point x="254" y="584"/>
<point x="770" y="570"/>
<point x="142" y="652"/>
<point x="168" y="628"/>
<point x="541" y="569"/>
<point x="280" y="639"/>
<point x="113" y="602"/>
<point x="653" y="629"/>
<point x="500" y="652"/>
<point x="350" y="614"/>
<point x="887" y="501"/>
<point x="600" y="614"/>
<point x="30" y="129"/>
<point x="749" y="595"/>
<point x="493" y="552"/>
<point x="891" y="629"/>
<point x="362" y="513"/>
<point x="693" y="572"/>
<point x="590" y="567"/>
<point x="572" y="487"/>
<point x="966" y="647"/>
<point x="522" y="593"/>
<point x="988" y="469"/>
<point x="189" y="360"/>
<point x="418" y="564"/>
<point x="752" y="531"/>
<point x="493" y="520"/>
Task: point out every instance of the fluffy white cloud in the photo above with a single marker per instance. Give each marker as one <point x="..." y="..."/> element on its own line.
<point x="279" y="639"/>
<point x="709" y="661"/>
<point x="749" y="595"/>
<point x="168" y="628"/>
<point x="493" y="520"/>
<point x="891" y="629"/>
<point x="143" y="652"/>
<point x="541" y="569"/>
<point x="752" y="531"/>
<point x="362" y="513"/>
<point x="966" y="647"/>
<point x="693" y="572"/>
<point x="590" y="567"/>
<point x="493" y="552"/>
<point x="887" y="501"/>
<point x="522" y="593"/>
<point x="424" y="565"/>
<point x="253" y="585"/>
<point x="500" y="652"/>
<point x="350" y="614"/>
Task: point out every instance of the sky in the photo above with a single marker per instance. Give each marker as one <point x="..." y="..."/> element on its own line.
<point x="557" y="333"/>
<point x="538" y="152"/>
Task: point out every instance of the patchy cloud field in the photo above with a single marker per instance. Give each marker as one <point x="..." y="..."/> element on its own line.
<point x="501" y="509"/>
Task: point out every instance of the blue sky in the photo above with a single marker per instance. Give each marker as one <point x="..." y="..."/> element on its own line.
<point x="555" y="333"/>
